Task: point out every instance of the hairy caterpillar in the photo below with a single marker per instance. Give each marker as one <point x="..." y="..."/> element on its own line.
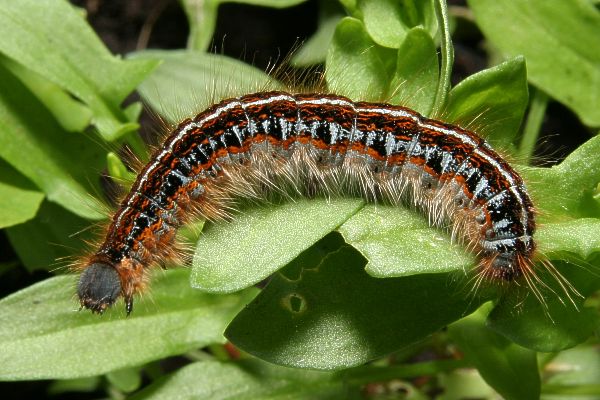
<point x="310" y="144"/>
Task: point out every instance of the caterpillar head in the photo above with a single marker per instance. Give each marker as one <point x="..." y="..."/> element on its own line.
<point x="99" y="287"/>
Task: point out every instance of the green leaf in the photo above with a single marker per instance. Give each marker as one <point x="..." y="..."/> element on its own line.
<point x="188" y="82"/>
<point x="561" y="41"/>
<point x="335" y="316"/>
<point x="356" y="68"/>
<point x="249" y="379"/>
<point x="417" y="71"/>
<point x="33" y="143"/>
<point x="56" y="234"/>
<point x="491" y="101"/>
<point x="573" y="368"/>
<point x="19" y="199"/>
<point x="126" y="379"/>
<point x="549" y="327"/>
<point x="389" y="21"/>
<point x="71" y="114"/>
<point x="47" y="339"/>
<point x="262" y="240"/>
<point x="566" y="190"/>
<point x="53" y="40"/>
<point x="580" y="236"/>
<point x="509" y="368"/>
<point x="399" y="242"/>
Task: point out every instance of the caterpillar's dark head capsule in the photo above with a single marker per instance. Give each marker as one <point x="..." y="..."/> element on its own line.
<point x="99" y="287"/>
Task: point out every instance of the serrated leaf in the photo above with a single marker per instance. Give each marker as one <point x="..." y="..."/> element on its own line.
<point x="399" y="242"/>
<point x="52" y="39"/>
<point x="233" y="256"/>
<point x="492" y="102"/>
<point x="336" y="316"/>
<point x="44" y="336"/>
<point x="188" y="82"/>
<point x="570" y="29"/>
<point x="248" y="379"/>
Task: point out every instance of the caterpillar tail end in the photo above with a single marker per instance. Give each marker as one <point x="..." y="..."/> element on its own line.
<point x="99" y="287"/>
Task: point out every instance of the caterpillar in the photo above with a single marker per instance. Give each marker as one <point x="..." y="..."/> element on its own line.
<point x="311" y="144"/>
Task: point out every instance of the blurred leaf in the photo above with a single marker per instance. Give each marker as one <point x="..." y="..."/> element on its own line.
<point x="500" y="362"/>
<point x="52" y="39"/>
<point x="19" y="199"/>
<point x="249" y="379"/>
<point x="399" y="242"/>
<point x="314" y="50"/>
<point x="49" y="241"/>
<point x="561" y="42"/>
<point x="389" y="21"/>
<point x="126" y="380"/>
<point x="187" y="82"/>
<point x="74" y="385"/>
<point x="71" y="114"/>
<point x="491" y="102"/>
<point x="43" y="336"/>
<point x="417" y="72"/>
<point x="262" y="240"/>
<point x="334" y="315"/>
<point x="33" y="143"/>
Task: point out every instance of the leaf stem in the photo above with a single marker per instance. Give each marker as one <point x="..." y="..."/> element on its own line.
<point x="539" y="102"/>
<point x="447" y="54"/>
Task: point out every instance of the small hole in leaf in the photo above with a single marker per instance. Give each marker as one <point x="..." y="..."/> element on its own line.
<point x="295" y="303"/>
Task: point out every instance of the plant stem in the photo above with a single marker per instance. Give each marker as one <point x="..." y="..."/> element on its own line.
<point x="447" y="53"/>
<point x="539" y="101"/>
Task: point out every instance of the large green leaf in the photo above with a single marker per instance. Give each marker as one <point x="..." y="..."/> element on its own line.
<point x="332" y="315"/>
<point x="44" y="337"/>
<point x="35" y="145"/>
<point x="559" y="39"/>
<point x="52" y="39"/>
<point x="233" y="256"/>
<point x="399" y="242"/>
<point x="249" y="379"/>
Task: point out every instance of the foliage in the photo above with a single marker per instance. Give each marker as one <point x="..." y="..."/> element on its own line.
<point x="326" y="305"/>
